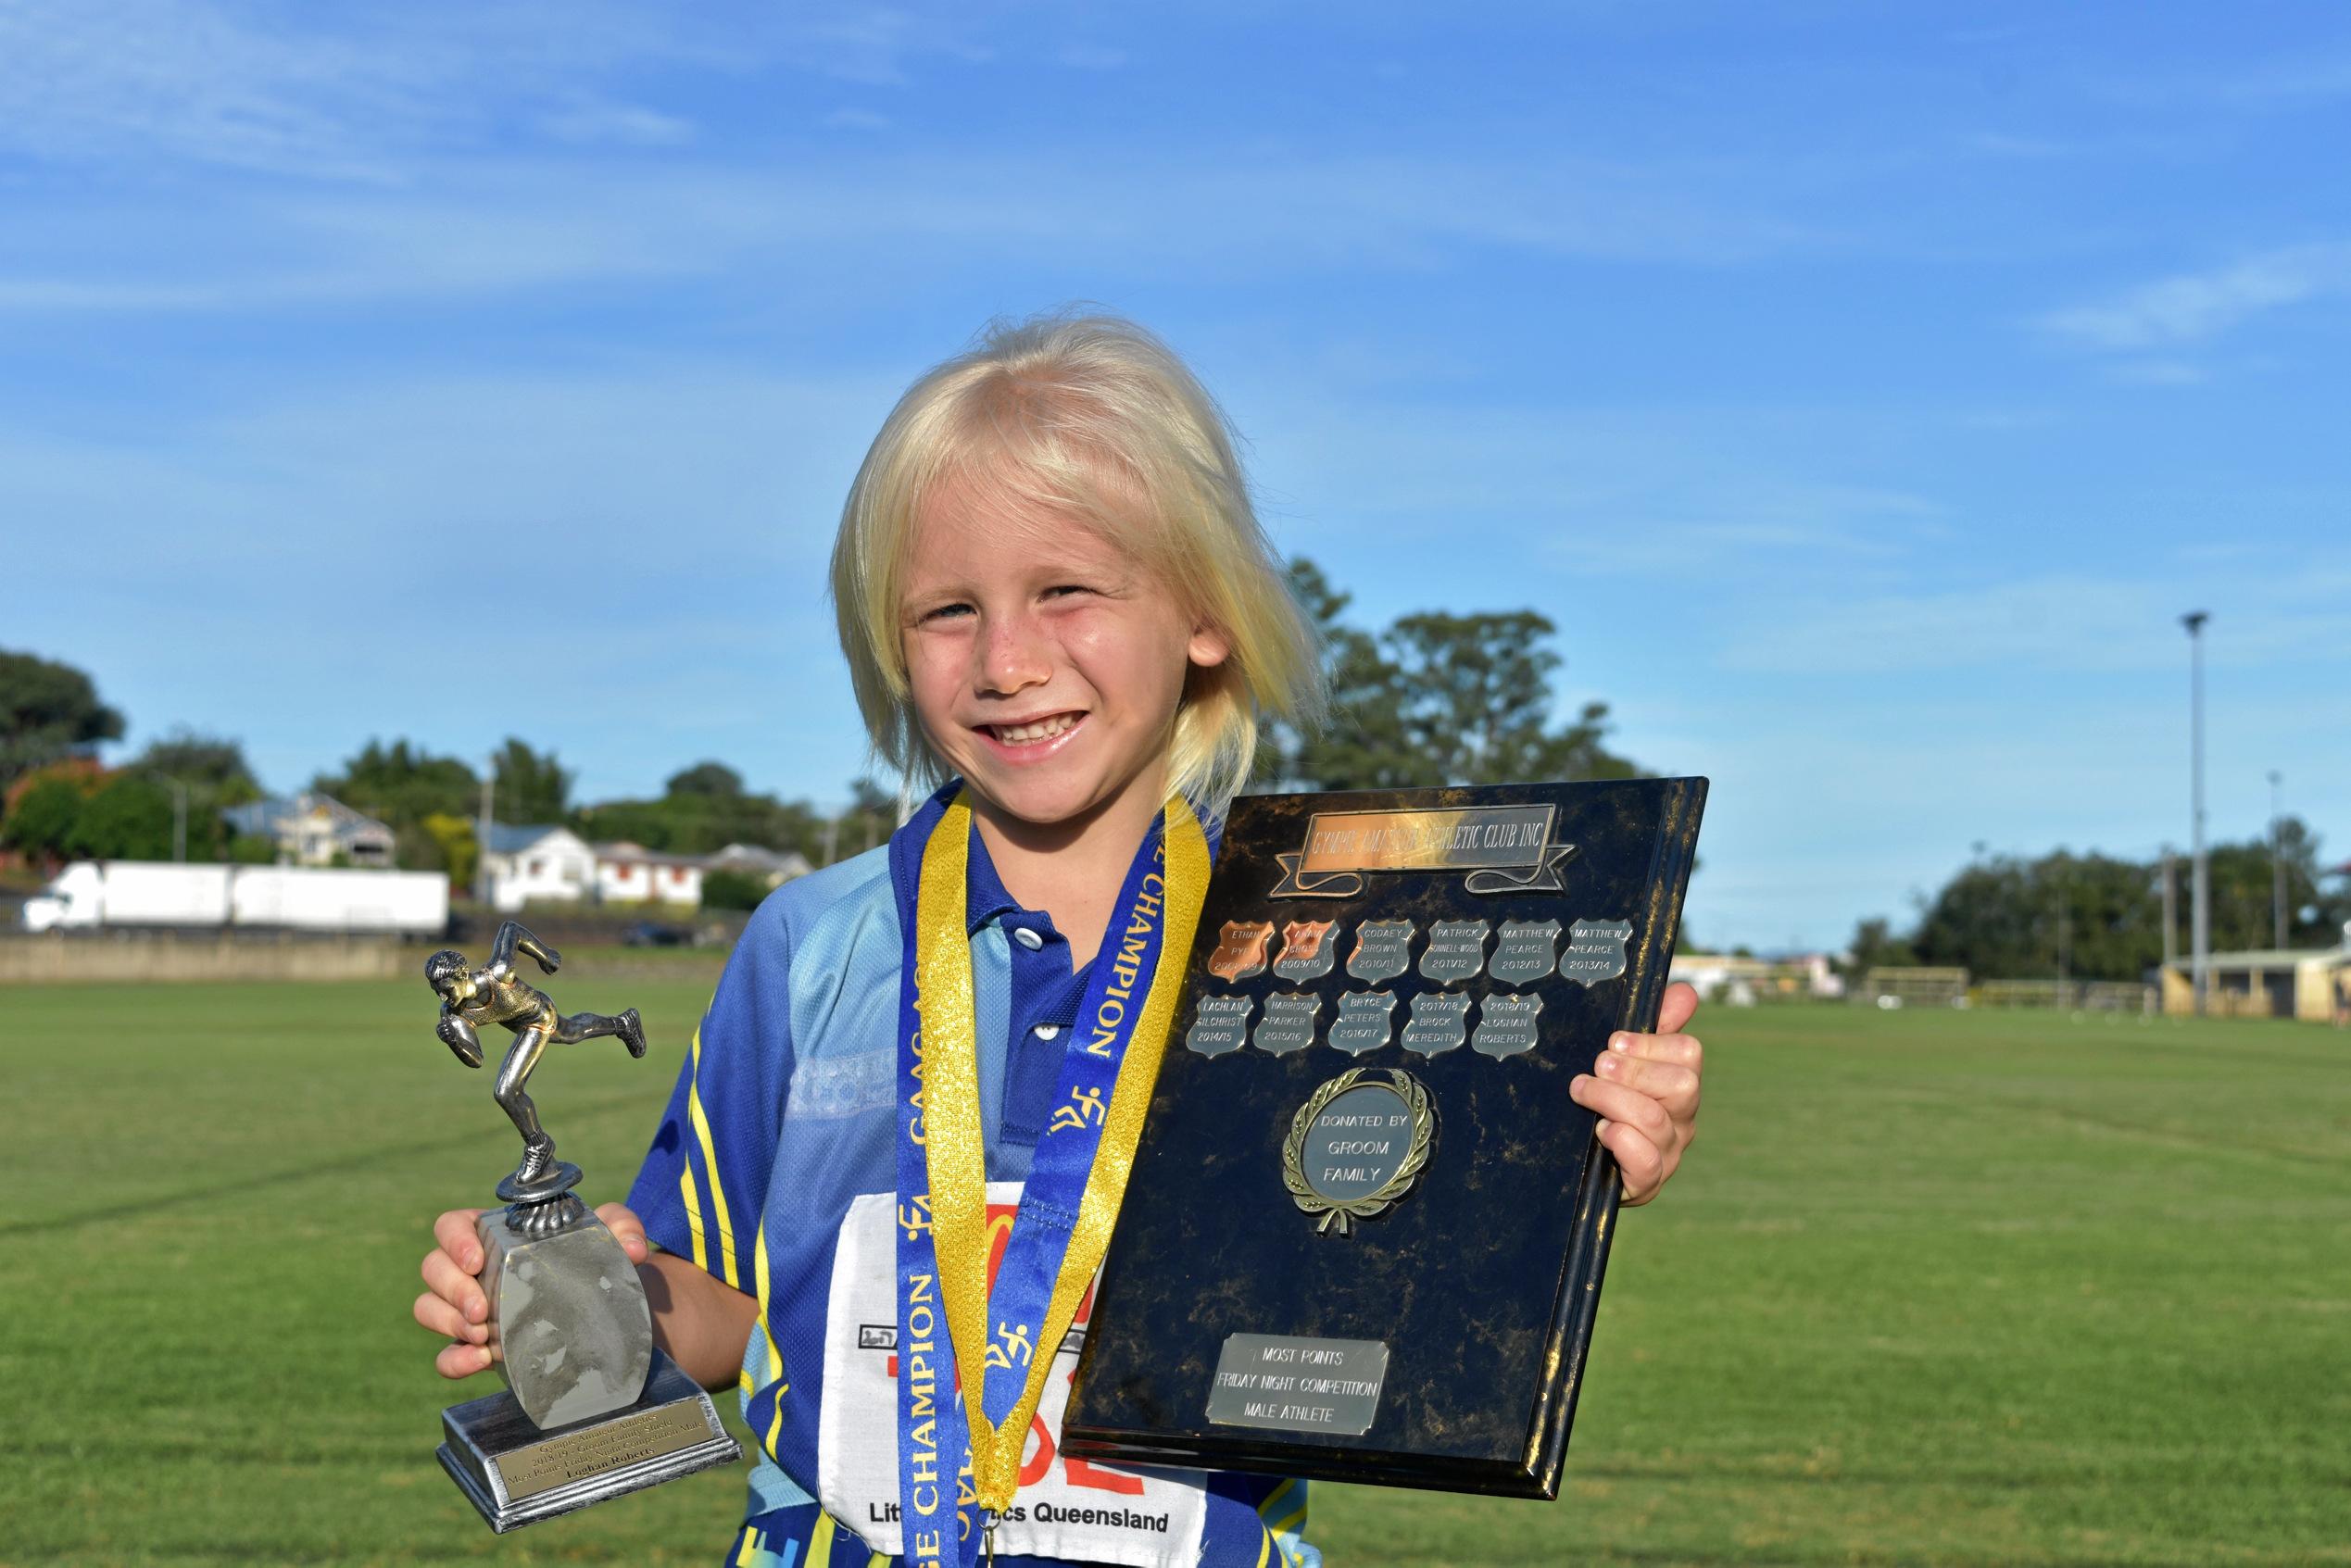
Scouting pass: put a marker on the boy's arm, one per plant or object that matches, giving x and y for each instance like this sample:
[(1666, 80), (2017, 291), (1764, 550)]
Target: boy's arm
[(702, 1322)]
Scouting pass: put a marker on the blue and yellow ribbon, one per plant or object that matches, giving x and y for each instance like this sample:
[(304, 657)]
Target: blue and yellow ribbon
[(1077, 1181)]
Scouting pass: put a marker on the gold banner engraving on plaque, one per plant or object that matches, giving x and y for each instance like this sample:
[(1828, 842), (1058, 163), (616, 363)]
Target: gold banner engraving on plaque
[(1503, 848), (576, 1456)]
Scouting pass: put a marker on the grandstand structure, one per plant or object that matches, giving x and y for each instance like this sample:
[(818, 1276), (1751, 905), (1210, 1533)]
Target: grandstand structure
[(1910, 985)]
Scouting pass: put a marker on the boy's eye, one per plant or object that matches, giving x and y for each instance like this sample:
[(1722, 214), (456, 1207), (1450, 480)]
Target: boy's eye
[(939, 612), (1059, 589)]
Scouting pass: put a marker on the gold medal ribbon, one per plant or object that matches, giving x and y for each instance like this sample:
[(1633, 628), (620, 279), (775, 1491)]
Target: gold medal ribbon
[(953, 1152)]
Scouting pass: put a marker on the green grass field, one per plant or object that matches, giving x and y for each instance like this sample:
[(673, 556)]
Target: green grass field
[(1934, 1288)]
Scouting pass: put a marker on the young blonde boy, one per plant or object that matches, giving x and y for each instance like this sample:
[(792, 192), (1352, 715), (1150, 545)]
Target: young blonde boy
[(1053, 595)]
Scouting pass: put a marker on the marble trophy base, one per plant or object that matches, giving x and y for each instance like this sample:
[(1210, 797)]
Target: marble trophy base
[(568, 1320), (516, 1472)]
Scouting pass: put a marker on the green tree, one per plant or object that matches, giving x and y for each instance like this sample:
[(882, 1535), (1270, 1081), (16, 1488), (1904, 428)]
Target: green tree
[(531, 788), (1875, 945), (706, 781), (2089, 917), (704, 807), (41, 825), (2099, 917), (48, 710), (129, 818), (732, 890), (2243, 891), (1362, 735), (1477, 702), (1437, 698), (401, 785), (213, 772), (211, 761), (453, 842), (870, 819)]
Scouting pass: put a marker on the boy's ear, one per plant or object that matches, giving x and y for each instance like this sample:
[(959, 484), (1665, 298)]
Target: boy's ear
[(1209, 647)]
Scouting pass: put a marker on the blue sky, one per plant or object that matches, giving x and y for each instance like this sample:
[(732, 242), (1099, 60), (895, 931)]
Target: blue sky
[(1863, 390)]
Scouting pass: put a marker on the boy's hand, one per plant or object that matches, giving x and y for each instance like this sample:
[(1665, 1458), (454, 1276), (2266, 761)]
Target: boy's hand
[(455, 1305), (1646, 1093)]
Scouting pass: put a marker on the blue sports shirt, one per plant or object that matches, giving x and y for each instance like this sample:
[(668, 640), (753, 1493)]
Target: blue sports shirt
[(774, 1170)]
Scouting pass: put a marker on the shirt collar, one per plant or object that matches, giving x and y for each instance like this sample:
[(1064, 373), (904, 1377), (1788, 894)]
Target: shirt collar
[(984, 896)]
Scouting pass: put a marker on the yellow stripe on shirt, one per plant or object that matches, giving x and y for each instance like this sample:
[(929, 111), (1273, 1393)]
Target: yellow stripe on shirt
[(775, 1356), (725, 1221), (693, 1213)]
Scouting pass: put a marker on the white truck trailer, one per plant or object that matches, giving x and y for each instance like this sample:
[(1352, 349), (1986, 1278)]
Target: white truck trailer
[(145, 893)]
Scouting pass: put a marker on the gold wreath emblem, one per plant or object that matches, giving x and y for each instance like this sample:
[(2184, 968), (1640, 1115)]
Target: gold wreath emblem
[(1301, 1191)]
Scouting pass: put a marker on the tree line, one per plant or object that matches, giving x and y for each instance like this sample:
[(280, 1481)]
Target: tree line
[(1431, 698), (2100, 917)]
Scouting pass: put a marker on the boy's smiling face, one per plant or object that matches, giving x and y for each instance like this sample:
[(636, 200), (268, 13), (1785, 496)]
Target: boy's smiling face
[(1046, 663)]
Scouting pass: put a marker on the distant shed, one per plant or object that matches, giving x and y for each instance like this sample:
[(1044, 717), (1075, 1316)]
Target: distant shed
[(2266, 983)]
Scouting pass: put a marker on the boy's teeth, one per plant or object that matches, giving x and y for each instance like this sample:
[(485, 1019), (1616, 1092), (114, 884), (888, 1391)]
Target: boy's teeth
[(1043, 729)]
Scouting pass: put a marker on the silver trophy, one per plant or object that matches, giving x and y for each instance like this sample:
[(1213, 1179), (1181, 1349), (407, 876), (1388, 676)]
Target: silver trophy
[(592, 1409)]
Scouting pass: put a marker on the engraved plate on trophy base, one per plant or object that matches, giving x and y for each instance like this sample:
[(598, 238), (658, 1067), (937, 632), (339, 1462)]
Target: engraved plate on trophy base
[(516, 1472)]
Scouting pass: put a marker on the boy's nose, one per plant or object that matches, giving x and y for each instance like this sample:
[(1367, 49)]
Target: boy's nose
[(1013, 656)]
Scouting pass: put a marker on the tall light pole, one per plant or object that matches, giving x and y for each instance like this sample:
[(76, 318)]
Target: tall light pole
[(2277, 855), (179, 816), (2200, 920), (2171, 909)]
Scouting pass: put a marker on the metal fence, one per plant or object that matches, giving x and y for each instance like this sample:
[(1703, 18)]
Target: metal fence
[(2071, 996)]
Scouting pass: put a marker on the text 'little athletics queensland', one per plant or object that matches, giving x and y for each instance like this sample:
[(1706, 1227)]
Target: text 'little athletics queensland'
[(1367, 1224), (592, 1409)]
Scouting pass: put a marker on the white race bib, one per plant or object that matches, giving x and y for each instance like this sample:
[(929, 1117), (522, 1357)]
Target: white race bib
[(1065, 1507)]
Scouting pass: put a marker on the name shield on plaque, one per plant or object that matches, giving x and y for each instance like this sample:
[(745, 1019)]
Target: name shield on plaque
[(1366, 1228)]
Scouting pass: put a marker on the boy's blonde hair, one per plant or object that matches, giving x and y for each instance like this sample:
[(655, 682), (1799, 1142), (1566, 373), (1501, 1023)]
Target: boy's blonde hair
[(1095, 419)]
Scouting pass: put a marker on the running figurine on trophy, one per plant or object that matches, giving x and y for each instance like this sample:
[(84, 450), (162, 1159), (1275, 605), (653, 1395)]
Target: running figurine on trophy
[(591, 1408)]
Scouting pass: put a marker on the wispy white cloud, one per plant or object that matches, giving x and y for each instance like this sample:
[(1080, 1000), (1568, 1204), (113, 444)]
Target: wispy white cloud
[(341, 94), (475, 229), (98, 79), (2057, 624), (592, 122), (2193, 307)]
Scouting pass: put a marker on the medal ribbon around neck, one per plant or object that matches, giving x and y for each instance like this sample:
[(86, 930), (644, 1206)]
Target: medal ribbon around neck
[(1075, 1182)]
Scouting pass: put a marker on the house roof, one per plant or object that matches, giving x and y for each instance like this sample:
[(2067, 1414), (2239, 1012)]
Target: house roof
[(625, 853), (512, 839), (269, 816), (760, 860), (2266, 958)]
